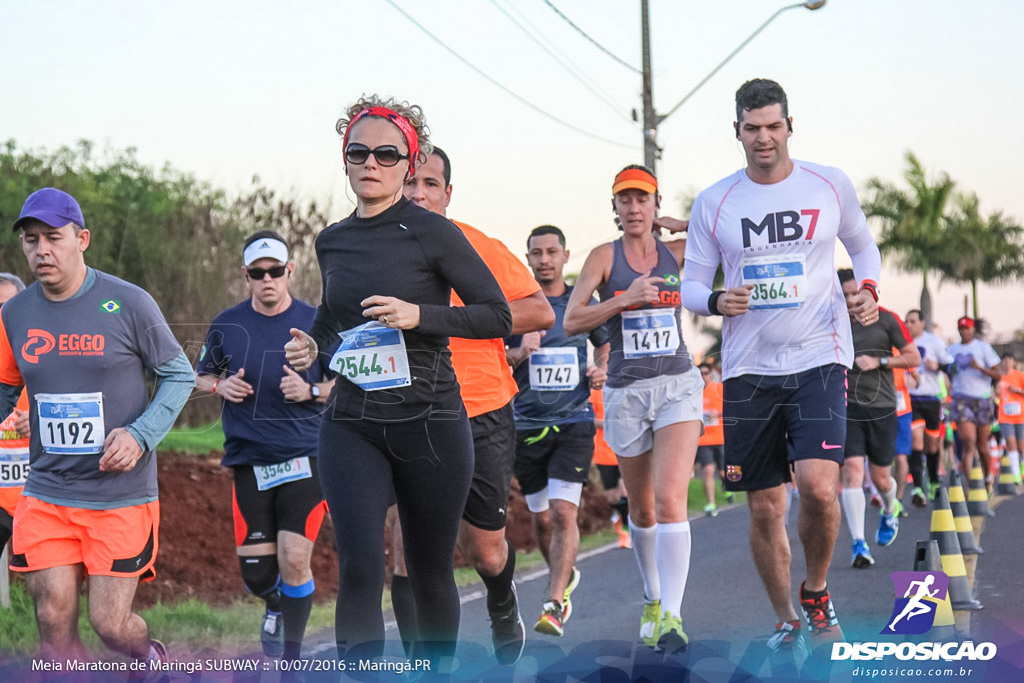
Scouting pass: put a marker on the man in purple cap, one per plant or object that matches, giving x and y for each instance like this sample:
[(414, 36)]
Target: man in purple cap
[(82, 343)]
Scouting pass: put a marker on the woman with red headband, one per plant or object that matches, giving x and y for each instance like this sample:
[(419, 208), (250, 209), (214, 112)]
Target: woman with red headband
[(396, 420), (653, 397)]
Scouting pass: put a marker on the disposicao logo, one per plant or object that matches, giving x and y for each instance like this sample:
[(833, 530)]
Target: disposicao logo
[(917, 598)]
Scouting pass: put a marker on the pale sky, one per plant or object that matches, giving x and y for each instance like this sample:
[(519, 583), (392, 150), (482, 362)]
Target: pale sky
[(226, 90)]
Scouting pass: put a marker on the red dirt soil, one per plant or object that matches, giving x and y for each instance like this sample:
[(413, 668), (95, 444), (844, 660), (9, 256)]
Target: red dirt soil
[(197, 547)]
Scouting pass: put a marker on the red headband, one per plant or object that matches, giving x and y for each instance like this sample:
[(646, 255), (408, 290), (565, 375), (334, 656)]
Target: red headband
[(403, 125)]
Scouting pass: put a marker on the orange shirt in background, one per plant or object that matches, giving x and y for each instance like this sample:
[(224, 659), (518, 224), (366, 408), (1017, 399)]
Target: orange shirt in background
[(480, 366), (1011, 405), (714, 434), (603, 454), (899, 376), (12, 447)]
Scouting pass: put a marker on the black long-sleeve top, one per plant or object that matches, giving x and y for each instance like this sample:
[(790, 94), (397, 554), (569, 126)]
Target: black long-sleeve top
[(417, 256)]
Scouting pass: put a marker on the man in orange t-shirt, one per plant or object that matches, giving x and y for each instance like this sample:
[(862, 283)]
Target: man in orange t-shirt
[(711, 447), (608, 467), (1011, 412), (904, 380), (487, 388)]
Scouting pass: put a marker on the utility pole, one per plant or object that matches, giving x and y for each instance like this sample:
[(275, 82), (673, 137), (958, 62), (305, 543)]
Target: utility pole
[(651, 119)]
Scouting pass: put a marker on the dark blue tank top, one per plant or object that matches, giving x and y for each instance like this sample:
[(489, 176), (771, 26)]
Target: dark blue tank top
[(624, 371)]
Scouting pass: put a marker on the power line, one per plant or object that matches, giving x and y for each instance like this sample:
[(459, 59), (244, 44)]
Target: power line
[(494, 82), (564, 62), (596, 44)]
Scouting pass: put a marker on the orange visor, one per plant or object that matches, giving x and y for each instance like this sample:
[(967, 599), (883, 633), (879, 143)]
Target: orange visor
[(635, 179)]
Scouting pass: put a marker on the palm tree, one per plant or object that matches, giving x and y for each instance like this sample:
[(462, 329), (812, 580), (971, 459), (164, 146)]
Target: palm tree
[(912, 223), (981, 249)]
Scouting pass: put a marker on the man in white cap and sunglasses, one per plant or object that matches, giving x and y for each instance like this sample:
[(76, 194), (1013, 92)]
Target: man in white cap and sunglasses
[(271, 416)]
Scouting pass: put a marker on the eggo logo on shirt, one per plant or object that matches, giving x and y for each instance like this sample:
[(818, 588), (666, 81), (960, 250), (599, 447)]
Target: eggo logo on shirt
[(41, 342), (781, 226)]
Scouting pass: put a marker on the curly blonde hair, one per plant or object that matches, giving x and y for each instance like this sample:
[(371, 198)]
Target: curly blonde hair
[(410, 112)]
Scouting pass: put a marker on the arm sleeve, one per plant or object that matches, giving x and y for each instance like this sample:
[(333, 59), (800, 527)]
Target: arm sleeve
[(702, 259), (486, 314), (174, 383), (11, 381), (855, 234)]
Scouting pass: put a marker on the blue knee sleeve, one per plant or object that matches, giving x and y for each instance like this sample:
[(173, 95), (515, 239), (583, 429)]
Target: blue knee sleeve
[(298, 591)]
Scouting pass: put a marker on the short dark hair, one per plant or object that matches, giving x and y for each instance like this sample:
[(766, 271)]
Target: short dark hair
[(845, 275), (546, 230), (915, 310), (1008, 355), (264, 234), (758, 93), (447, 164)]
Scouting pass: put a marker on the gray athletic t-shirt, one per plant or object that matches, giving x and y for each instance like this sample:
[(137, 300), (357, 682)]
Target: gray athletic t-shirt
[(101, 341)]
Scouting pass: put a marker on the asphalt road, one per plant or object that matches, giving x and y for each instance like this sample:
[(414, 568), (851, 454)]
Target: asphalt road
[(727, 615)]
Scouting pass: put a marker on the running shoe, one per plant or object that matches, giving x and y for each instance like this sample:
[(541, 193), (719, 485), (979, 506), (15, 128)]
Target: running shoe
[(550, 621), (624, 540), (861, 555), (902, 510), (821, 618), (272, 634), (935, 490), (730, 497), (159, 649), (650, 623), (918, 498), (574, 580), (889, 526), (710, 510), (508, 633), (789, 637), (671, 636)]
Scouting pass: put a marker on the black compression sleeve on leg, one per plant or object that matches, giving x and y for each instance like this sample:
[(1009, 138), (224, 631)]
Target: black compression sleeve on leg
[(261, 578), (499, 588)]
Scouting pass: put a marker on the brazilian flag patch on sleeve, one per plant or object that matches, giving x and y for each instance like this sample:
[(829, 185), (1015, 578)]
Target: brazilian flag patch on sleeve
[(111, 306)]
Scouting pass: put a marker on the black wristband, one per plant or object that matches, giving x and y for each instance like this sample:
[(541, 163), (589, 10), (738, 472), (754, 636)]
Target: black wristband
[(713, 301)]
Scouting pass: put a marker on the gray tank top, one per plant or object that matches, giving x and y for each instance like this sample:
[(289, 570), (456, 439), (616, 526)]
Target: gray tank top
[(646, 349)]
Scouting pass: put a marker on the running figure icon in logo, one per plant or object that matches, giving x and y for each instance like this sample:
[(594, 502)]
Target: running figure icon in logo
[(922, 592)]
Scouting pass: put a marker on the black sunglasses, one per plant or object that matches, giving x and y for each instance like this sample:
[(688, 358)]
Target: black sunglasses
[(386, 155), (258, 273)]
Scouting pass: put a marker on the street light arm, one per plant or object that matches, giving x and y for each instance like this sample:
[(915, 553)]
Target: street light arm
[(808, 5)]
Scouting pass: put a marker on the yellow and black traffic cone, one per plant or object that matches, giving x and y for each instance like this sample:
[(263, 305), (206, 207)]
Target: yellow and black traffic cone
[(961, 517), (944, 532), (928, 559), (977, 494), (1005, 485)]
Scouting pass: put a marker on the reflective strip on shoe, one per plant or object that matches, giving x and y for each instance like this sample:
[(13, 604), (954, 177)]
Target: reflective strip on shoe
[(574, 580)]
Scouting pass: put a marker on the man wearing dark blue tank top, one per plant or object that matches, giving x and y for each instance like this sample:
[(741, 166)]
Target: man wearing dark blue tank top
[(555, 424)]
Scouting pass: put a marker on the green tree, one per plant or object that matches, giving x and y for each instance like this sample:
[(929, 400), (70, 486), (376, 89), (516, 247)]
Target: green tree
[(913, 223), (980, 249)]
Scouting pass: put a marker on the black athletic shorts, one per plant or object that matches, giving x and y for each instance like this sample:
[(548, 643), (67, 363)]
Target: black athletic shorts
[(564, 452), (872, 432), (927, 411), (610, 476), (6, 529), (494, 453), (711, 455), (295, 506), (771, 421)]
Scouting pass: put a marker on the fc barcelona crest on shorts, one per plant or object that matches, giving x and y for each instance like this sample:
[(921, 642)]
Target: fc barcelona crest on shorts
[(733, 472)]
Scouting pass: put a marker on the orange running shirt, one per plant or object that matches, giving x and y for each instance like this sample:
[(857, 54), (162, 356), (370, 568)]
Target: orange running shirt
[(1011, 405), (13, 460), (899, 376), (714, 433), (603, 454), (484, 375)]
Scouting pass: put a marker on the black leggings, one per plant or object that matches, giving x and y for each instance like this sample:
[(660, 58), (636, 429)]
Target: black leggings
[(430, 464)]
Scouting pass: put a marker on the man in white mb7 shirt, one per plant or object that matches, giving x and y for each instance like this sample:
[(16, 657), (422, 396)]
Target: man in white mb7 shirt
[(786, 344)]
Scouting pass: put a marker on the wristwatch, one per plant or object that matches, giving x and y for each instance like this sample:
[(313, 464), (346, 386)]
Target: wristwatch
[(884, 361), (315, 391)]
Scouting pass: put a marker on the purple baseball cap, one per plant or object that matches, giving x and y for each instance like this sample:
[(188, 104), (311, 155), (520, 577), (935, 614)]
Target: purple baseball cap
[(54, 207)]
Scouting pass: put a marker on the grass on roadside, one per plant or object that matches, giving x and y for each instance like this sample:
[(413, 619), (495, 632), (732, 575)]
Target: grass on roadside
[(197, 440)]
